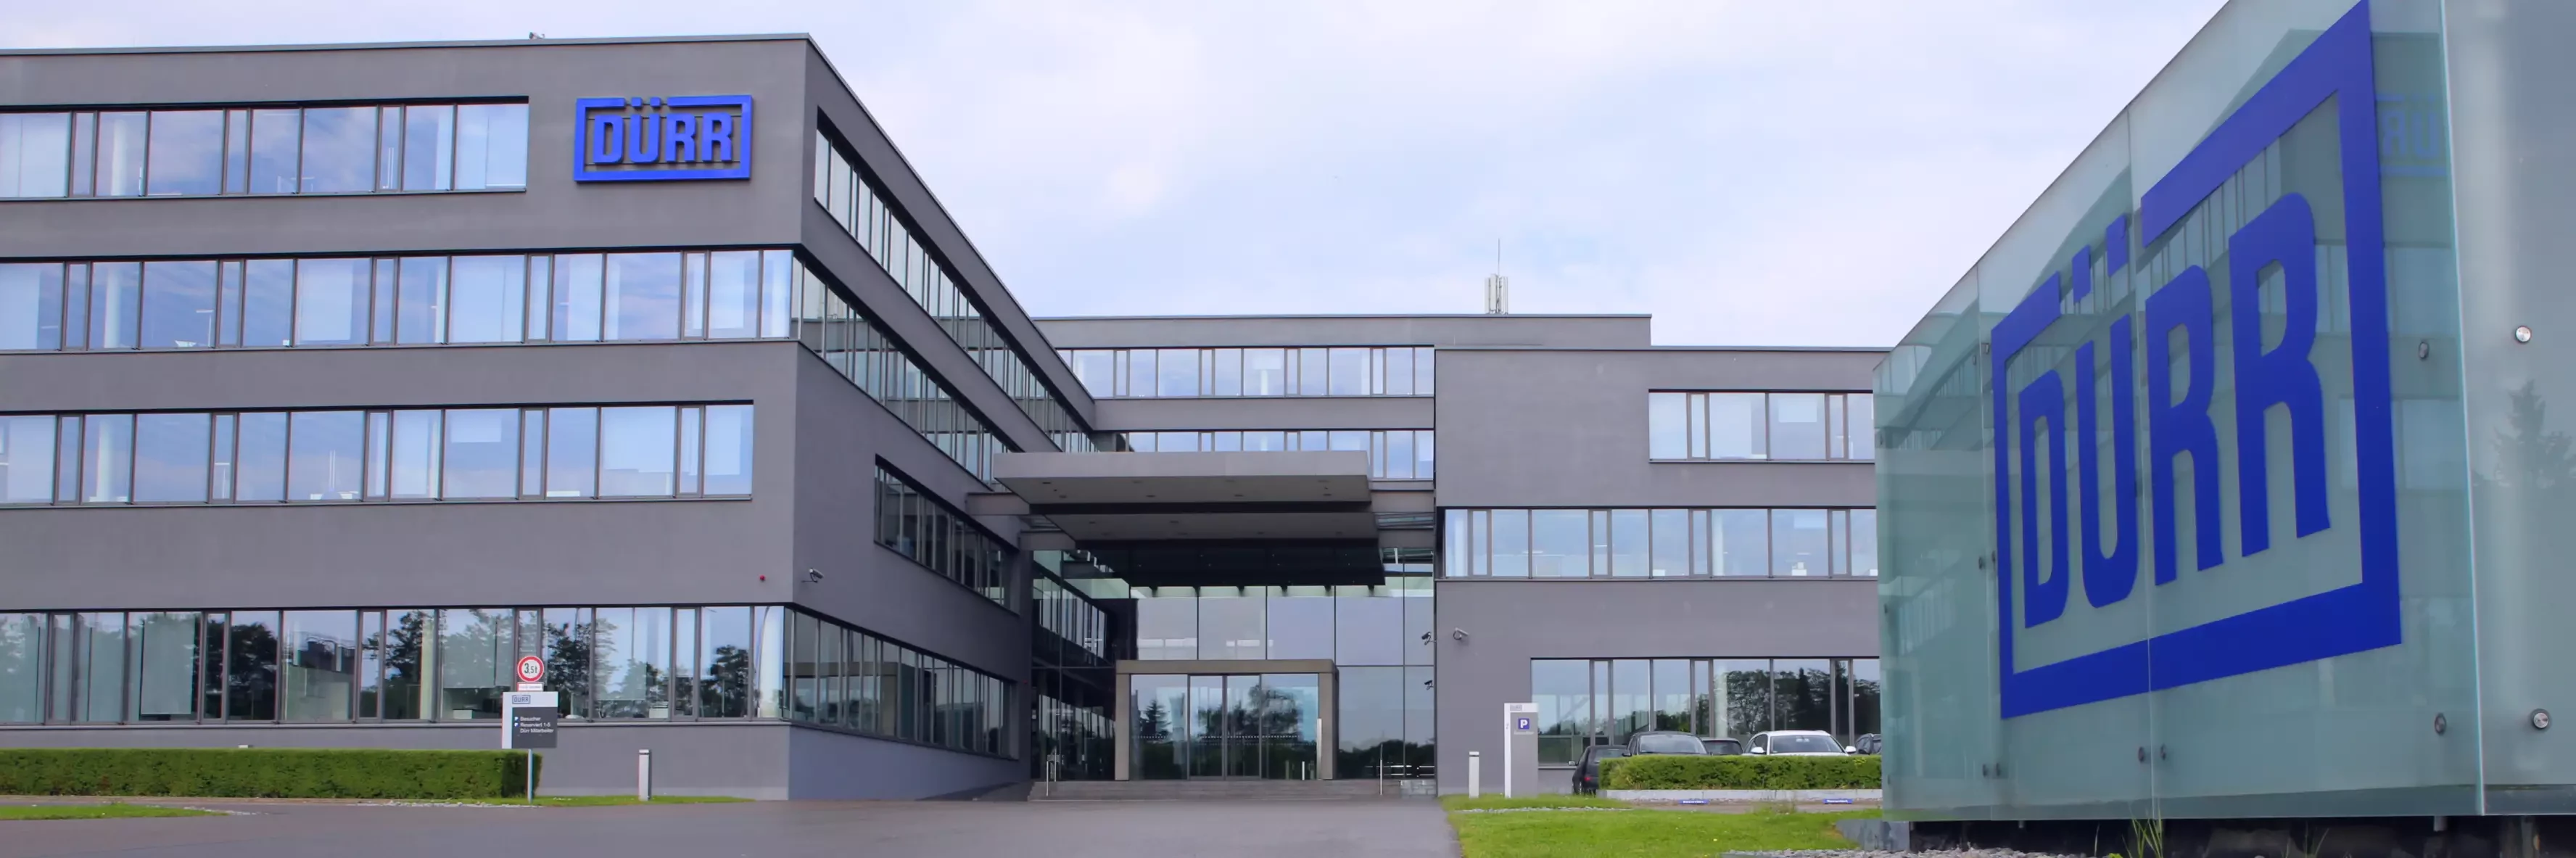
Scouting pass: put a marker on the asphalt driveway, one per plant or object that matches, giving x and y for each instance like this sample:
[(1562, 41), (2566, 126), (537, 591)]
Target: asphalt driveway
[(1348, 828)]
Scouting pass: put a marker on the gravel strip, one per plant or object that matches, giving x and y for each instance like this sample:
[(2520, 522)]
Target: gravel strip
[(1537, 809)]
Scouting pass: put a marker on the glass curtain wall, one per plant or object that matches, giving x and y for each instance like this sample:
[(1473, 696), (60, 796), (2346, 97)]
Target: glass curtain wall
[(1602, 701), (917, 525), (1659, 543)]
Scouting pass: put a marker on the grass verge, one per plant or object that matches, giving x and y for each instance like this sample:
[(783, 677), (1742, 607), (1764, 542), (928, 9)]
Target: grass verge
[(116, 810), (1460, 802), (1643, 834)]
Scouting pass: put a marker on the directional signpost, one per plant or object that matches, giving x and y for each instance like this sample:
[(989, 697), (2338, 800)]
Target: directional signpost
[(528, 722)]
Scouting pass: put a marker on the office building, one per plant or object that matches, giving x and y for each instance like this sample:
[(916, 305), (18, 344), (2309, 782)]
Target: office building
[(340, 379)]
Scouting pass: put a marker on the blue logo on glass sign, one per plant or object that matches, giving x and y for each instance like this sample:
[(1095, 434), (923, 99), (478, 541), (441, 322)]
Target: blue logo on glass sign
[(663, 139), (2032, 590)]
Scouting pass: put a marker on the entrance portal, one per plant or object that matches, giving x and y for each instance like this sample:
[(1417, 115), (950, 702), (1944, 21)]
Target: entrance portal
[(1263, 725)]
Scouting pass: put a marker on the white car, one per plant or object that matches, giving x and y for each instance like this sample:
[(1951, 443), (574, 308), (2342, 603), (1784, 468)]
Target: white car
[(1796, 743)]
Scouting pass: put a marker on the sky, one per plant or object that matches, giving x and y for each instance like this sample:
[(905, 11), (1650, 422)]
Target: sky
[(1751, 173)]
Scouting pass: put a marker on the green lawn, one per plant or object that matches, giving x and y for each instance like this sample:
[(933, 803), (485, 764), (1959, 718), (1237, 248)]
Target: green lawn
[(1643, 833), (118, 810), (1460, 802)]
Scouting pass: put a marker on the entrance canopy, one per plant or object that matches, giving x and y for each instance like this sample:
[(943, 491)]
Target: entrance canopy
[(1132, 497)]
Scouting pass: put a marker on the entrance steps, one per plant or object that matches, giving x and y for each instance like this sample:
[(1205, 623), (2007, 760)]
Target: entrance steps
[(1223, 790)]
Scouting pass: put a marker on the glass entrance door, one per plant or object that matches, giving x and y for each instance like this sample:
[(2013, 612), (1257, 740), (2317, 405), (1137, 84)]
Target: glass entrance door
[(1225, 725)]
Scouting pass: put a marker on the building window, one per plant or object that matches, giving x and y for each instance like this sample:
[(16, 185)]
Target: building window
[(215, 151), (1394, 454), (1659, 543), (1351, 624), (1603, 701), (1759, 426), (409, 300), (1188, 372), (431, 454), (865, 353), (375, 665), (918, 525), (844, 187)]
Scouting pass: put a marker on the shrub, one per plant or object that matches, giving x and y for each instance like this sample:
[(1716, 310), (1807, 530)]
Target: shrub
[(1742, 771), (264, 772)]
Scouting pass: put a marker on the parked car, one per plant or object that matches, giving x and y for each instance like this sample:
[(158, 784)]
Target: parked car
[(1664, 742), (1797, 743), (1868, 743), (1587, 772), (1721, 746)]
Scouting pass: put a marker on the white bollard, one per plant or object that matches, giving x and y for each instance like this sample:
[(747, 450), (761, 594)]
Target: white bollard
[(643, 774), (1475, 774)]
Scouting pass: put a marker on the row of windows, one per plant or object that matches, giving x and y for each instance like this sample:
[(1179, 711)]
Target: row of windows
[(1780, 426), (917, 525), (1603, 701), (411, 300), (1063, 612), (847, 678), (281, 150), (453, 664), (643, 451), (1341, 371), (868, 356), (1394, 454), (844, 188), (1351, 624), (1659, 543)]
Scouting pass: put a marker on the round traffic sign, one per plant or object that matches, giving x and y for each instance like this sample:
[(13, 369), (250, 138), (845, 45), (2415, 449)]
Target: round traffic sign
[(532, 669)]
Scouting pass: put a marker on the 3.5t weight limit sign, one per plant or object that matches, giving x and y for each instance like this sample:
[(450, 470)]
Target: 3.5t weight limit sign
[(531, 669)]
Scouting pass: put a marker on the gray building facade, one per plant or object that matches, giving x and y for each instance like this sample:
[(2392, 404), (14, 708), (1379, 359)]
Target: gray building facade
[(337, 380)]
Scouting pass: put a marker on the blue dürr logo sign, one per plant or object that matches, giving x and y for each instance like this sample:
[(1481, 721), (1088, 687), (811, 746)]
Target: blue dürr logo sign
[(663, 139), (2275, 385)]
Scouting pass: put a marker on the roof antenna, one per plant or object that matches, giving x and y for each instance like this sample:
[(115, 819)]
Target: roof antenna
[(1498, 289)]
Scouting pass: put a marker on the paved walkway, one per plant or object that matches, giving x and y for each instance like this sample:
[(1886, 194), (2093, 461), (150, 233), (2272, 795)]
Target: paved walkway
[(1361, 828)]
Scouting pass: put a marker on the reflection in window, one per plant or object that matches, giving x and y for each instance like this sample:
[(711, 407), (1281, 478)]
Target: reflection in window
[(851, 193), (1781, 426), (1574, 543), (415, 454), (1394, 454), (1602, 701), (416, 300), (919, 526), (205, 152), (1197, 372)]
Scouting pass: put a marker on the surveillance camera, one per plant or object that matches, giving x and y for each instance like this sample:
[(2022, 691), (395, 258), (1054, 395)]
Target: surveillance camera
[(1459, 635), (1426, 637)]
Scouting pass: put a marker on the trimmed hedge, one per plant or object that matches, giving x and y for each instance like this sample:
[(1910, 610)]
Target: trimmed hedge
[(264, 772), (1739, 771)]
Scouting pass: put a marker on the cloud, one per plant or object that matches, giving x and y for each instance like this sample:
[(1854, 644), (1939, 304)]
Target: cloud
[(1749, 172)]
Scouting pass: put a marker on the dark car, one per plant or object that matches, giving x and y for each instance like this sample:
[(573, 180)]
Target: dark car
[(1721, 746), (1664, 742), (1868, 743), (1587, 772)]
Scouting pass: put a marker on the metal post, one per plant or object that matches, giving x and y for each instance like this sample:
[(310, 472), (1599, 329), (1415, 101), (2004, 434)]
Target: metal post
[(1475, 774), (644, 774), (532, 776)]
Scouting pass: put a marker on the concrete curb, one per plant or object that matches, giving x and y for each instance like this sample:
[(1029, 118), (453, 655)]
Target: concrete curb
[(1740, 795)]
